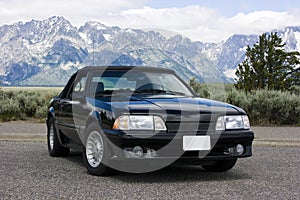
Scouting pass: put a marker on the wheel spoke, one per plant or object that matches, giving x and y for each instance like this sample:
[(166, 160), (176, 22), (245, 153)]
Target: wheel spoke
[(94, 149), (51, 136)]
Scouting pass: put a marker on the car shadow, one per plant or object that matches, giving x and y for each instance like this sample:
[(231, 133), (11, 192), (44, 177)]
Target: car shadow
[(75, 157), (181, 173), (177, 172)]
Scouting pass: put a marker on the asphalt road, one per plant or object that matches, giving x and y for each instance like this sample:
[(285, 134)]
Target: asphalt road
[(28, 172)]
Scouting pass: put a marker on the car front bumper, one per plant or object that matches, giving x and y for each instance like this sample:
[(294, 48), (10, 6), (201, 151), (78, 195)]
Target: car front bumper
[(224, 145)]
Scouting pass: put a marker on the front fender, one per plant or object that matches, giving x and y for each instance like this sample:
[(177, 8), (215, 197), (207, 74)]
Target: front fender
[(50, 114), (94, 117)]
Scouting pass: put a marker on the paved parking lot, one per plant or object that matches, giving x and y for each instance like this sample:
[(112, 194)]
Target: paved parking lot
[(28, 172)]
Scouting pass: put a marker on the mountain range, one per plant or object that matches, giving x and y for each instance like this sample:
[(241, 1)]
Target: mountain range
[(47, 52)]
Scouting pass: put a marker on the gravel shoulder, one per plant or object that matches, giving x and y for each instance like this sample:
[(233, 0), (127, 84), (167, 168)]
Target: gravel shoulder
[(277, 136)]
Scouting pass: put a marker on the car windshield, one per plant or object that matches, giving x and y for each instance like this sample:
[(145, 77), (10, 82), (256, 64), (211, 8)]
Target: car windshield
[(104, 83)]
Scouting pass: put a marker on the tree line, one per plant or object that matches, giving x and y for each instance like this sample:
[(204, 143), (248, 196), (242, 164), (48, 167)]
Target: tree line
[(267, 84), (268, 66)]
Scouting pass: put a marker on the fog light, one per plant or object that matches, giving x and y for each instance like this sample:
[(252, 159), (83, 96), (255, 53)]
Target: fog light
[(138, 151), (239, 149)]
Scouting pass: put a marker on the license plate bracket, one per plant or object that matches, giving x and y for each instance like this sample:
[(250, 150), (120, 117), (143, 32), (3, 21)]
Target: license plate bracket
[(196, 143)]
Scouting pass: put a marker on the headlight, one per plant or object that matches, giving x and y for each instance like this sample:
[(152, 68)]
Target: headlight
[(233, 122), (139, 122)]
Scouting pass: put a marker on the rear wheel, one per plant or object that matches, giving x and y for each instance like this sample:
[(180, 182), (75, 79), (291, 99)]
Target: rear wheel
[(221, 165), (96, 152), (55, 149)]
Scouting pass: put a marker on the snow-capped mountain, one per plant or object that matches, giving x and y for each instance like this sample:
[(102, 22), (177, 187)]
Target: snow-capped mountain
[(226, 55), (47, 52)]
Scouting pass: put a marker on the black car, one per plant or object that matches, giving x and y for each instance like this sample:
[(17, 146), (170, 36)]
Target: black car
[(140, 119)]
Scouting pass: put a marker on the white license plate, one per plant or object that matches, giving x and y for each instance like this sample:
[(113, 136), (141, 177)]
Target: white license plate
[(196, 143)]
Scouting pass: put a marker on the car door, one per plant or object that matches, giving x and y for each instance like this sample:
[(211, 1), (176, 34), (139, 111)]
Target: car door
[(60, 110), (71, 108)]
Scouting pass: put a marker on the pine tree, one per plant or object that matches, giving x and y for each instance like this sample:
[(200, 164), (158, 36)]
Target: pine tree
[(268, 66)]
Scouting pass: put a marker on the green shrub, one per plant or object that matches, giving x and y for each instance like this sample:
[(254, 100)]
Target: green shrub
[(275, 107), (24, 104), (295, 89), (201, 89), (264, 107), (10, 110)]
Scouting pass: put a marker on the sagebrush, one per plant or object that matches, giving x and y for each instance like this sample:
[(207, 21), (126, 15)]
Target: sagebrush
[(22, 104), (264, 107)]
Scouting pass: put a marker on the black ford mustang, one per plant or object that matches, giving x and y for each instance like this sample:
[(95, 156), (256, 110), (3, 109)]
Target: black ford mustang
[(140, 119)]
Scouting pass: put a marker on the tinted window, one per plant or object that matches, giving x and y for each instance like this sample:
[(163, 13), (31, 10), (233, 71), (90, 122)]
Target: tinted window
[(79, 85), (68, 87), (136, 82)]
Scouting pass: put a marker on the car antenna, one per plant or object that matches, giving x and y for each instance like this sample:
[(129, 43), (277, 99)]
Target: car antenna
[(94, 49)]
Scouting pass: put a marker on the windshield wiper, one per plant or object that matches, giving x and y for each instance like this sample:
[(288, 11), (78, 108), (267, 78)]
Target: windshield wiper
[(175, 93), (106, 93), (158, 91)]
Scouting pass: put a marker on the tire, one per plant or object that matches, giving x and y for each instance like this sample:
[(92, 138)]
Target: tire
[(55, 149), (221, 165), (95, 154)]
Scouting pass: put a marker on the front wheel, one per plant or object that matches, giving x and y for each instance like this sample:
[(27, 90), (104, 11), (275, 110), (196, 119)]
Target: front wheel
[(221, 165), (55, 149), (96, 152)]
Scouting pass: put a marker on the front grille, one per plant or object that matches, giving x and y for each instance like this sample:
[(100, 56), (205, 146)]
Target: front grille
[(190, 126), (192, 123)]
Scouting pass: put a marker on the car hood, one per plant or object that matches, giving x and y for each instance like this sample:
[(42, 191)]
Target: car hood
[(167, 106)]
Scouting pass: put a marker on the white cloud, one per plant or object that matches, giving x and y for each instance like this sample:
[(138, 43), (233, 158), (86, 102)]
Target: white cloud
[(196, 22), (204, 24), (257, 22), (76, 11)]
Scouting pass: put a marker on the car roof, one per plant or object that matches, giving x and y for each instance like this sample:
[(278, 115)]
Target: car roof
[(128, 68)]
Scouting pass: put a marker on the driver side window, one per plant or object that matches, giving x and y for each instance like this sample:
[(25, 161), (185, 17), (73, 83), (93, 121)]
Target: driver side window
[(78, 86)]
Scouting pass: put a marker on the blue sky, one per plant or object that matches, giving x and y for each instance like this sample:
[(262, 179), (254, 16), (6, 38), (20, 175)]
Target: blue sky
[(230, 7), (201, 20)]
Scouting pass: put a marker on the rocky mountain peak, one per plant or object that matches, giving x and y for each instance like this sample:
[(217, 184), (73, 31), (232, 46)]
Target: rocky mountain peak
[(46, 52)]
